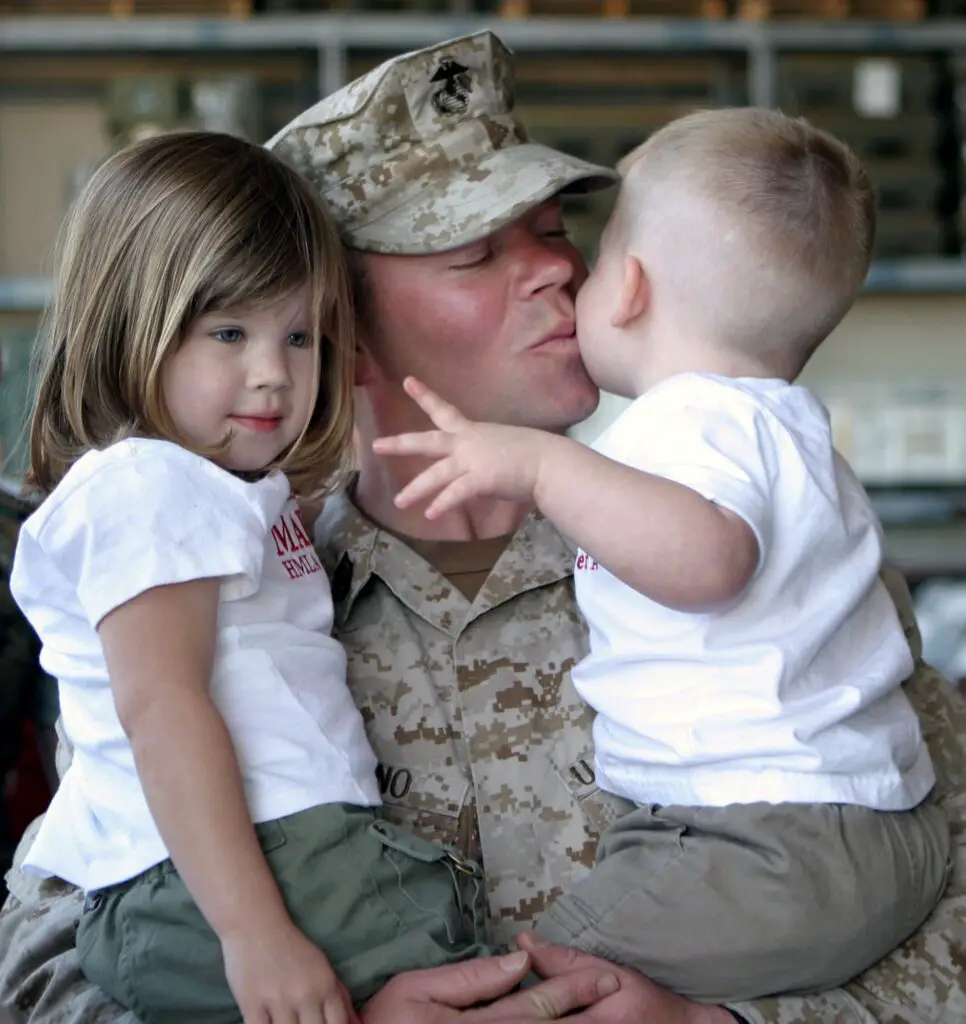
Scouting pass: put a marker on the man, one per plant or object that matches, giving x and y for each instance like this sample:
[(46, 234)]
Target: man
[(461, 633)]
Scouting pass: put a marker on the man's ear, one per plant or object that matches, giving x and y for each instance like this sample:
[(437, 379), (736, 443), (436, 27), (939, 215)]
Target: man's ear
[(366, 369), (635, 294)]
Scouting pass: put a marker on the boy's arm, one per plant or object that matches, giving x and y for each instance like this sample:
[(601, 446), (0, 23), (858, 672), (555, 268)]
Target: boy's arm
[(663, 539), (659, 537)]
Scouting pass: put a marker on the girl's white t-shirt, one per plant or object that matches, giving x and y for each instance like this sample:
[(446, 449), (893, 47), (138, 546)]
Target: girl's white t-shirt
[(142, 514)]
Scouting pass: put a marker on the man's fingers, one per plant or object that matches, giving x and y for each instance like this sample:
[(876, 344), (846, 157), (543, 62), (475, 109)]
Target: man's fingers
[(312, 1013), (444, 415), (461, 984), (282, 1015), (428, 483), (549, 1000), (255, 1014), (335, 1010), (551, 961), (425, 442)]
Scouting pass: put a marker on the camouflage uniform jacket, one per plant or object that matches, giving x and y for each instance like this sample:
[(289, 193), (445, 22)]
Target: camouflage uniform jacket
[(483, 743)]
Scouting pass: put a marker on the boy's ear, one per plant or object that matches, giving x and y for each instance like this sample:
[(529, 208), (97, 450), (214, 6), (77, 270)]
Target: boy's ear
[(635, 294)]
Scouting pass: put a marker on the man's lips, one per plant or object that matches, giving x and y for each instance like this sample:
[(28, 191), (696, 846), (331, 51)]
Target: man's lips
[(260, 424), (564, 336)]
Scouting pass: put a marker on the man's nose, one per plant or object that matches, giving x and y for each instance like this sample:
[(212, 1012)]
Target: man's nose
[(547, 265)]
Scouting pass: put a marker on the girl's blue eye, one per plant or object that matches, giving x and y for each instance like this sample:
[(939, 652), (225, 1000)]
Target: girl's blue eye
[(229, 335), (299, 340)]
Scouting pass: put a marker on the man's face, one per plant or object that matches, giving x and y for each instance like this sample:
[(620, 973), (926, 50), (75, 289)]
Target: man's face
[(489, 326)]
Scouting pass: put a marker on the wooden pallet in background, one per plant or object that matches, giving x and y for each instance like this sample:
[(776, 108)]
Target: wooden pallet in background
[(831, 10), (130, 8), (713, 9), (889, 10), (318, 6), (574, 81)]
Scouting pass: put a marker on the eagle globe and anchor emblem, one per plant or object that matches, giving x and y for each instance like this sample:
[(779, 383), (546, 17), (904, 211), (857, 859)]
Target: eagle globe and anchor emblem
[(453, 94)]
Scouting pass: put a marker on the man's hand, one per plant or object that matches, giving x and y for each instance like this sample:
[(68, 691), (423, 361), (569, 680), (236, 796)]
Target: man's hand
[(637, 1001), (281, 976), (473, 459), (450, 994)]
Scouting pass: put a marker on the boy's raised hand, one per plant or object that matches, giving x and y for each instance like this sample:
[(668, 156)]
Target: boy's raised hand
[(473, 459)]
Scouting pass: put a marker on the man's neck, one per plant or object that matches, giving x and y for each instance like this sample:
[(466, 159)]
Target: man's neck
[(381, 479)]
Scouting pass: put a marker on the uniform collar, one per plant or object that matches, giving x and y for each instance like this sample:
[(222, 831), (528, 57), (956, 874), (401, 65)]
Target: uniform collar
[(355, 549)]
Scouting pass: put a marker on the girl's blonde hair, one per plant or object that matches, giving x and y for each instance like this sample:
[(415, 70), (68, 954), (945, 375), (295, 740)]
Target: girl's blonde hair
[(165, 231)]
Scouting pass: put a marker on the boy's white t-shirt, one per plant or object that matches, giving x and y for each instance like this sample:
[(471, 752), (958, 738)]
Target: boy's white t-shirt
[(790, 694), (142, 514)]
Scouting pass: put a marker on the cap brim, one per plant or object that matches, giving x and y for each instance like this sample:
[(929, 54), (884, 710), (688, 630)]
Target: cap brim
[(470, 204)]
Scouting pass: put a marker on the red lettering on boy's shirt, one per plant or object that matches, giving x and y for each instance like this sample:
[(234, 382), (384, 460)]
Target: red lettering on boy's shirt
[(585, 562)]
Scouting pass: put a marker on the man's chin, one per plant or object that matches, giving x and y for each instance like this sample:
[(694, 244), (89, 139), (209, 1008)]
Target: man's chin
[(559, 417)]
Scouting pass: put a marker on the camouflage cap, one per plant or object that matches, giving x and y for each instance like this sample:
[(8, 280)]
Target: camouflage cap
[(423, 154)]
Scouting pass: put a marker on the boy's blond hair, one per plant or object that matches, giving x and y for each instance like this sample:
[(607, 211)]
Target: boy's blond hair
[(165, 231), (762, 223)]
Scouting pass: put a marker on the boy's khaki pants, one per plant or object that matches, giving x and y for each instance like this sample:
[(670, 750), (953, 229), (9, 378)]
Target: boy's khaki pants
[(732, 903)]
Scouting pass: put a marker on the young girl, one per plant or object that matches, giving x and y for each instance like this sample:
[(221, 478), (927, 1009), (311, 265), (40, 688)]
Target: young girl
[(198, 369)]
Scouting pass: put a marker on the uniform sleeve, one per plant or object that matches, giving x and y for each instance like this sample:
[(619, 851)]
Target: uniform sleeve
[(720, 450), (147, 520)]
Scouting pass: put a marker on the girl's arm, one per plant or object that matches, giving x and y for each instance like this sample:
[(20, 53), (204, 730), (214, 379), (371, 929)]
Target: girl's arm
[(160, 650)]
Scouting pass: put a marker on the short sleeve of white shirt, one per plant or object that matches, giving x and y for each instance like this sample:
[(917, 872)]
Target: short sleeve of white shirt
[(708, 435), (144, 514)]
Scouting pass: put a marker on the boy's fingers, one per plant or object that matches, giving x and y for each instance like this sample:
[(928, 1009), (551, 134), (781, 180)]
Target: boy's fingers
[(425, 442), (428, 483), (444, 415), (461, 490)]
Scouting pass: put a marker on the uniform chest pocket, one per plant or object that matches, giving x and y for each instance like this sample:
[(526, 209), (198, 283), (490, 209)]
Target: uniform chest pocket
[(428, 803)]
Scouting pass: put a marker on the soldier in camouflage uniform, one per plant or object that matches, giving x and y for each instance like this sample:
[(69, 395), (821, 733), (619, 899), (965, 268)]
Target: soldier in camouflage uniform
[(461, 634)]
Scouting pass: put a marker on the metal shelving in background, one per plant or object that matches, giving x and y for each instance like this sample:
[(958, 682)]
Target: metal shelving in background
[(336, 40), (333, 36)]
